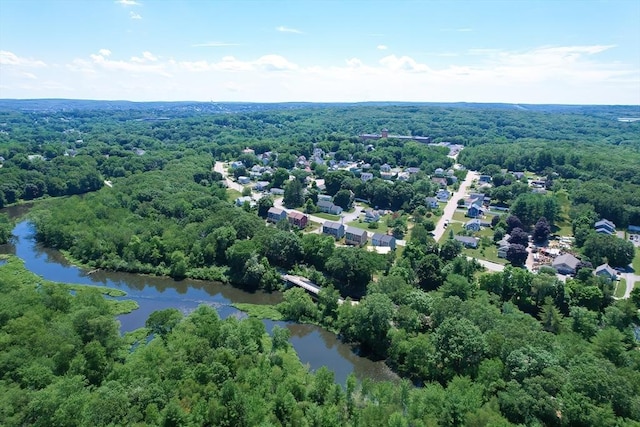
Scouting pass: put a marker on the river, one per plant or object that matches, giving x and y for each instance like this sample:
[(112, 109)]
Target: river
[(315, 346)]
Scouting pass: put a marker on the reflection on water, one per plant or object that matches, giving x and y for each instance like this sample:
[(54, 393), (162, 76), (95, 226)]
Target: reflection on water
[(315, 346)]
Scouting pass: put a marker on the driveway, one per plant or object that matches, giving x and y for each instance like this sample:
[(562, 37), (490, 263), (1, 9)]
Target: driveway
[(491, 266), (631, 278), (221, 169), (452, 204)]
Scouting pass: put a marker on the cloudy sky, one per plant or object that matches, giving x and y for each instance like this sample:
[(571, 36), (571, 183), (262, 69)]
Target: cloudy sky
[(516, 51)]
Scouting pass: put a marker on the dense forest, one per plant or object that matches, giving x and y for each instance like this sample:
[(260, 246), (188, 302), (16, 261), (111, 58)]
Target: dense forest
[(483, 348)]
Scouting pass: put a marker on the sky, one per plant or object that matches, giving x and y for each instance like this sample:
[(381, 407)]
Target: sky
[(516, 51)]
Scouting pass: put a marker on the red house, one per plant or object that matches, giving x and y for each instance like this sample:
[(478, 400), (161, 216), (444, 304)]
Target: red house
[(298, 219)]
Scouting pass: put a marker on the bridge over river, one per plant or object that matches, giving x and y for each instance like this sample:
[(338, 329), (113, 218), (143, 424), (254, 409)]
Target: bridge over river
[(308, 285)]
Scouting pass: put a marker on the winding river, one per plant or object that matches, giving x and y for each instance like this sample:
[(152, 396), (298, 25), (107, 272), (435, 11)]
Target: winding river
[(315, 346)]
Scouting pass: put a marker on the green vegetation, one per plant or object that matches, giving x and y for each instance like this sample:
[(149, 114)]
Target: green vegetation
[(621, 288), (14, 272), (508, 348), (327, 216), (259, 311)]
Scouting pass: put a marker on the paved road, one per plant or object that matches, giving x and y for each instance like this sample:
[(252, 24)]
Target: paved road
[(220, 168), (491, 266), (452, 204)]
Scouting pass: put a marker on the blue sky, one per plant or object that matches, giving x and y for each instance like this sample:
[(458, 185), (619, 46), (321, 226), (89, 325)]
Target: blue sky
[(554, 51)]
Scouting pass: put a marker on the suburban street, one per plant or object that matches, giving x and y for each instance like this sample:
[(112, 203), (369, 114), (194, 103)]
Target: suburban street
[(219, 167), (452, 204)]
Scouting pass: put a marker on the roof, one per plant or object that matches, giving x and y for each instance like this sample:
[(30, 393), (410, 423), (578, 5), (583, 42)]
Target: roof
[(467, 239), (431, 200), (357, 231), (386, 238), (605, 223), (473, 221), (333, 225), (325, 203), (275, 211), (297, 215), (605, 268), (566, 259)]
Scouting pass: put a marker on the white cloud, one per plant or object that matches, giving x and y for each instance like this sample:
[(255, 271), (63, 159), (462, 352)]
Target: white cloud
[(10, 58), (127, 3), (134, 15), (284, 29), (546, 74), (214, 44), (382, 47)]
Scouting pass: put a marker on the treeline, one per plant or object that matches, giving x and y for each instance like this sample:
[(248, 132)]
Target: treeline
[(62, 362), (603, 178)]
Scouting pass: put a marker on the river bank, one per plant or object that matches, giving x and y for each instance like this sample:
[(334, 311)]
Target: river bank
[(315, 346)]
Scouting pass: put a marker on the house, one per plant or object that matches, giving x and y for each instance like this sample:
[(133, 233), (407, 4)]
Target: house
[(240, 201), (605, 270), (413, 171), (468, 242), (632, 228), (431, 202), (298, 219), (328, 207), (248, 151), (385, 168), (380, 239), (442, 182), (261, 185), (355, 236), (276, 214), (475, 211), (334, 229), (324, 197), (473, 225), (443, 195), (486, 179), (244, 180), (404, 176), (438, 172), (566, 264), (371, 216), (366, 176), (237, 164), (604, 226), (517, 175), (277, 191), (387, 175), (503, 249)]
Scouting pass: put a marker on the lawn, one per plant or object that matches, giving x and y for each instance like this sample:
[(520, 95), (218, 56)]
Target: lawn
[(461, 215), (563, 224), (489, 253), (232, 194), (382, 226), (327, 216), (636, 261), (621, 287)]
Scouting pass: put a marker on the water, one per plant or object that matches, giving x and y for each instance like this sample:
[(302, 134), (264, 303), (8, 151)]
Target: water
[(316, 346)]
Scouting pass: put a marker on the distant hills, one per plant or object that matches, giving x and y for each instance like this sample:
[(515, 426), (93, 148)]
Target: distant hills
[(57, 105)]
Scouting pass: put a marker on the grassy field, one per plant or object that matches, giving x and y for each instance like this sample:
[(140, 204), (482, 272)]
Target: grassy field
[(621, 287), (260, 311), (490, 253), (636, 261), (461, 216), (382, 225), (327, 216), (232, 194), (14, 272), (563, 224)]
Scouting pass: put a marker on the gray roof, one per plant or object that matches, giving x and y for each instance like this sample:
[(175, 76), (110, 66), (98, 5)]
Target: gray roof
[(467, 239), (605, 223), (356, 231), (567, 259), (386, 238), (333, 225), (325, 203), (605, 268), (275, 211)]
